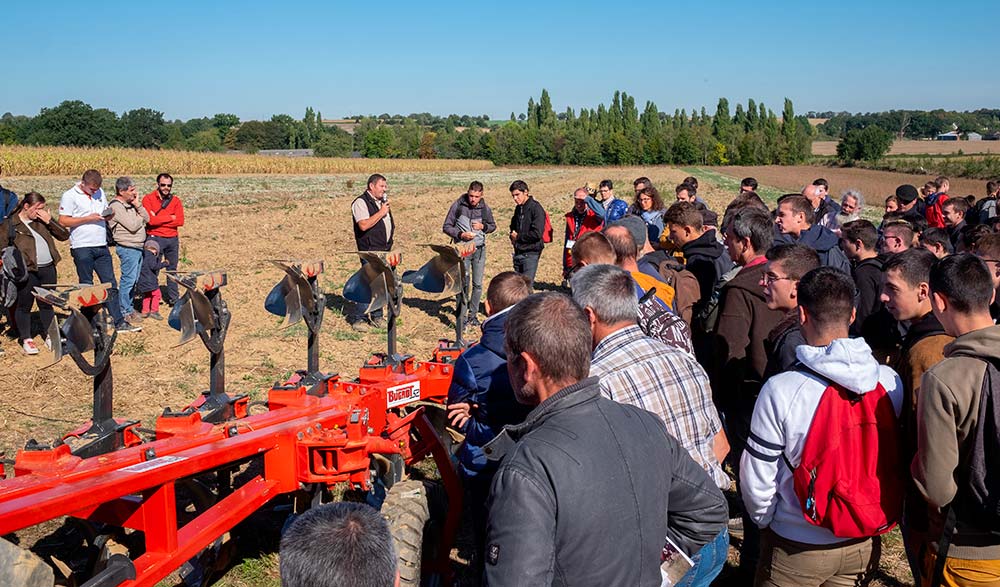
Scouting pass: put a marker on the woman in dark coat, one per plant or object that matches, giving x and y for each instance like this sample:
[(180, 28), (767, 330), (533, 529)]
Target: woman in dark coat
[(34, 231)]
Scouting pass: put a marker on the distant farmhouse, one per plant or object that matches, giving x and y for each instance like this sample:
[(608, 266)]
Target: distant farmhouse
[(951, 135)]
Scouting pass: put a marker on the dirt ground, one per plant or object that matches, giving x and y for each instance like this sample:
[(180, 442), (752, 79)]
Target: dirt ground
[(921, 147), (237, 224)]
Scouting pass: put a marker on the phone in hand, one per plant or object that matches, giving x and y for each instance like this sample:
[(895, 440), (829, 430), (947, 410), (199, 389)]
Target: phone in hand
[(108, 212)]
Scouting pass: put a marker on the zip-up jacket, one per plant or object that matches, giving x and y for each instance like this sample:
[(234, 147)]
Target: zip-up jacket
[(529, 223)]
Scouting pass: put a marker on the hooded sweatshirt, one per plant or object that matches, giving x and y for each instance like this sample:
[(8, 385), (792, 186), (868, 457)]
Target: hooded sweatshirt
[(781, 421), (947, 413), (707, 259), (824, 242)]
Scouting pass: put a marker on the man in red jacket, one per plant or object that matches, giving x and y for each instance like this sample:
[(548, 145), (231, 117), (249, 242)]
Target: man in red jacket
[(166, 215)]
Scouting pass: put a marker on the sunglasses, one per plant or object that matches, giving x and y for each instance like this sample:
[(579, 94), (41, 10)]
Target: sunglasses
[(166, 185)]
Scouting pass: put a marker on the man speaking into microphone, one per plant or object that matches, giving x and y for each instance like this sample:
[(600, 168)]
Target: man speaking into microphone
[(373, 231)]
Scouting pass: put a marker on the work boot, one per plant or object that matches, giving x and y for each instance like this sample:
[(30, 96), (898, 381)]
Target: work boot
[(360, 326)]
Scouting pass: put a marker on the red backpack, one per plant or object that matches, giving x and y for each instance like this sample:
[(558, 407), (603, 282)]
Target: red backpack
[(850, 480), (547, 231)]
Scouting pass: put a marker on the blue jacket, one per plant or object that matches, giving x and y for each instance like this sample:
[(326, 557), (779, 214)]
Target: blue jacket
[(8, 201), (149, 272), (480, 377), (824, 242), (617, 209)]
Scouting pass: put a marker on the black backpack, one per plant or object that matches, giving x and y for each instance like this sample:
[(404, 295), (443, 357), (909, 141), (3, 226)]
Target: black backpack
[(977, 501)]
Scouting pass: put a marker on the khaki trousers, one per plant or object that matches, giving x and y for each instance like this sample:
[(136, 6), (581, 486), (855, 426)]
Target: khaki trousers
[(786, 563)]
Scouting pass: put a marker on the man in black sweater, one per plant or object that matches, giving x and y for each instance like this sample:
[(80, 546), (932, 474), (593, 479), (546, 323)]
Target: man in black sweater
[(526, 229)]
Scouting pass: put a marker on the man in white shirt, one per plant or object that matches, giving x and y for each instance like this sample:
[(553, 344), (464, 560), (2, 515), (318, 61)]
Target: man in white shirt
[(81, 210)]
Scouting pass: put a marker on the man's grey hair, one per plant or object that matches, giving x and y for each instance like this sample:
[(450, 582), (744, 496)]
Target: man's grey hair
[(343, 543), (607, 290), (122, 184), (856, 194)]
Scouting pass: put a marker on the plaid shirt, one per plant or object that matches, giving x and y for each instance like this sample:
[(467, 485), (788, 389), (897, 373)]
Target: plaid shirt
[(646, 373)]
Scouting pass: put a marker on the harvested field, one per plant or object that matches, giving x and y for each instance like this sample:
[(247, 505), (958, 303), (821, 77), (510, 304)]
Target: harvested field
[(921, 147), (875, 185), (237, 224)]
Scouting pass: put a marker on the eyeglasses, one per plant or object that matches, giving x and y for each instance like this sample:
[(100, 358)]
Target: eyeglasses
[(166, 185), (770, 278)]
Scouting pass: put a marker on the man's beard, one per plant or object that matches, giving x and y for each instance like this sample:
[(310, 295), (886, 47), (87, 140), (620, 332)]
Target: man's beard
[(843, 219)]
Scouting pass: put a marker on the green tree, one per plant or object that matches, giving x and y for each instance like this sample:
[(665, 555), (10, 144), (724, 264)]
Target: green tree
[(73, 123), (336, 143), (685, 151), (223, 122), (870, 144), (143, 128), (206, 140), (378, 143)]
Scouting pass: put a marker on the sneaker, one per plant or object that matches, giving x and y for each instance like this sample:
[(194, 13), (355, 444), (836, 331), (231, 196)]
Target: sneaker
[(153, 315), (134, 318), (360, 326), (48, 342), (126, 327), (29, 347), (473, 322)]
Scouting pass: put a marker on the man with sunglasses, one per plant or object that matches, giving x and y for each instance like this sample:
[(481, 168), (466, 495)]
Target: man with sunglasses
[(166, 215), (84, 210)]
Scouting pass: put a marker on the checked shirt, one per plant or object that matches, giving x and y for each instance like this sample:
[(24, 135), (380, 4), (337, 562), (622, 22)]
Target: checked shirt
[(646, 373)]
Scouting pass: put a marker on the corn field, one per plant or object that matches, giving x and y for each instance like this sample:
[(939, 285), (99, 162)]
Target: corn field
[(36, 161)]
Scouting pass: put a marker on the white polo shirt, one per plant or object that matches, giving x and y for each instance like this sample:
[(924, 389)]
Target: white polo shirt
[(76, 204)]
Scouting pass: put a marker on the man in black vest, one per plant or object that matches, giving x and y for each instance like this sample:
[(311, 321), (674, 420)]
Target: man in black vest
[(373, 231)]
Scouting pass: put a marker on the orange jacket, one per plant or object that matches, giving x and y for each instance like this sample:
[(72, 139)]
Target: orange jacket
[(160, 223)]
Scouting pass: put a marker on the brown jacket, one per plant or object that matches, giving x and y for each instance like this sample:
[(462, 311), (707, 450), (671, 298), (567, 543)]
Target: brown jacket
[(947, 411), (744, 322), (25, 241)]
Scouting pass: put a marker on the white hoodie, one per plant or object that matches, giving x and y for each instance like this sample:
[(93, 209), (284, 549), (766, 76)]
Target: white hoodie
[(781, 421)]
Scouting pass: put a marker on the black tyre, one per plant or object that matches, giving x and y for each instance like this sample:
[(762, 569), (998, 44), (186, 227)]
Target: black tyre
[(412, 508)]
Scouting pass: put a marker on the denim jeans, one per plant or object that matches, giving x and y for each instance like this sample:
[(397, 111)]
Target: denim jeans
[(170, 249), (89, 260), (708, 562), (475, 266), (131, 261), (527, 264)]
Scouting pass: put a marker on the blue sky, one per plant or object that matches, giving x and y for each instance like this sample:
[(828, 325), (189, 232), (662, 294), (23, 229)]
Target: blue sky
[(254, 59)]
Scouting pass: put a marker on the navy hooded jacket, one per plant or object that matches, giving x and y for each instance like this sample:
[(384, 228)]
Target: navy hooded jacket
[(480, 377), (824, 242)]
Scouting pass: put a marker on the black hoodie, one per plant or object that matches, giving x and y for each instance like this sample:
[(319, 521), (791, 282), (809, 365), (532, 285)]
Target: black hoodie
[(707, 259)]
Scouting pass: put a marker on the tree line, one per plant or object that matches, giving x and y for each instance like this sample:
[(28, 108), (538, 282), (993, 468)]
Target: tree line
[(614, 134), (909, 124)]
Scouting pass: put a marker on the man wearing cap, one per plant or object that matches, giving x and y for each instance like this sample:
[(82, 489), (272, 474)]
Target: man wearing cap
[(579, 221), (907, 196), (128, 228)]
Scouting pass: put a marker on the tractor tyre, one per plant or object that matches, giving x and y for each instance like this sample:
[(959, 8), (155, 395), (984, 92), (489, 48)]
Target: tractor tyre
[(413, 510), (22, 568)]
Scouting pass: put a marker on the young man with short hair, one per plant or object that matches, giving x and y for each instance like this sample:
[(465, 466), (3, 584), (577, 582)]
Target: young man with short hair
[(934, 203), (897, 236), (953, 213), (988, 249), (795, 552), (786, 264), (937, 241), (796, 223), (527, 226), (906, 294), (749, 184), (858, 240), (82, 211), (480, 399), (470, 219), (948, 410), (640, 184)]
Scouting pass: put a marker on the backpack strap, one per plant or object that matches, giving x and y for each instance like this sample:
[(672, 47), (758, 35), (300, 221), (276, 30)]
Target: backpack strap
[(10, 232)]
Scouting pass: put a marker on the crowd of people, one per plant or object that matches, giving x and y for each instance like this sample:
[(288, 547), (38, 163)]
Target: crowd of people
[(143, 233), (838, 374)]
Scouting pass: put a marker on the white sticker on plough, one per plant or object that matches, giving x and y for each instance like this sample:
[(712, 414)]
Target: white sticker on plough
[(402, 394)]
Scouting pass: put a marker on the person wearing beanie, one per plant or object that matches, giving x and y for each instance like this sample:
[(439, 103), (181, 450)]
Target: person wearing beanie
[(907, 197), (149, 279)]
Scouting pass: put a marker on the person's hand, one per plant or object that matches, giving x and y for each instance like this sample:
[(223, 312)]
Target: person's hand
[(467, 236), (95, 217), (459, 413), (385, 208), (477, 226), (44, 216), (173, 217), (513, 235)]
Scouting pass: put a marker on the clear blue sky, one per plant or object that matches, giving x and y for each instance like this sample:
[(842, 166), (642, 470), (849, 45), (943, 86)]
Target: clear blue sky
[(254, 59)]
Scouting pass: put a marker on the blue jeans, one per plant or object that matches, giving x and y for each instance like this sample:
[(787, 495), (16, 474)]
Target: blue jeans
[(527, 264), (475, 266), (89, 260), (131, 261), (708, 562)]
